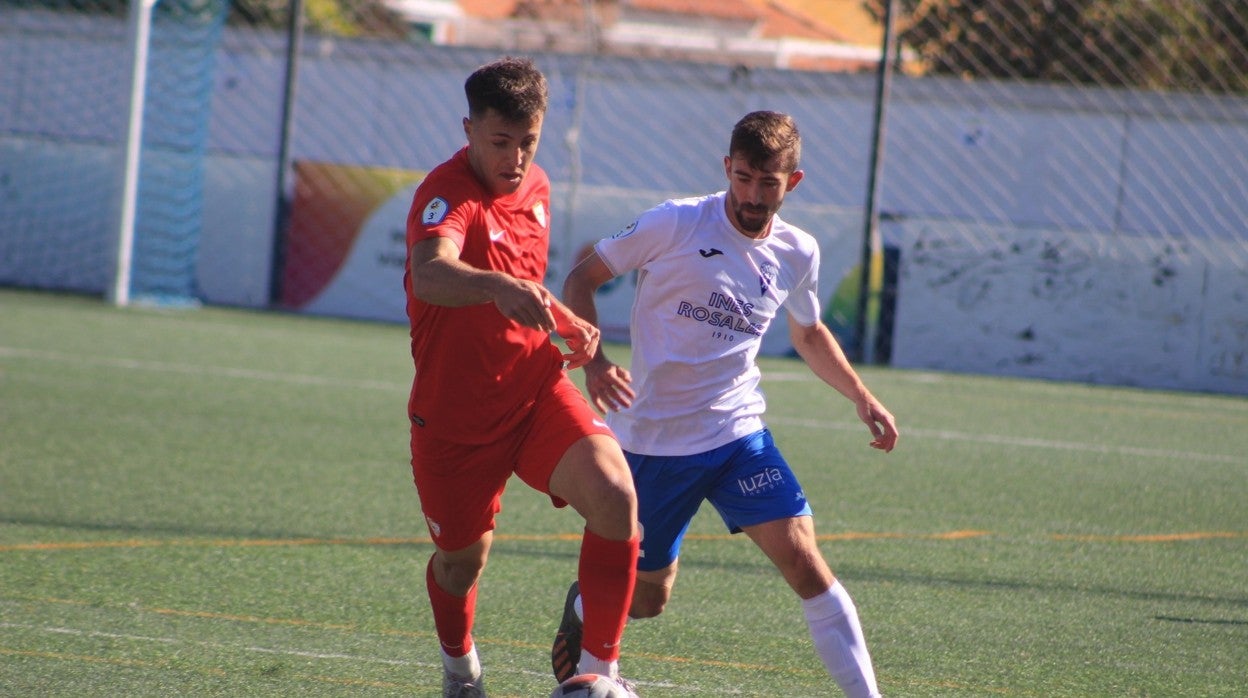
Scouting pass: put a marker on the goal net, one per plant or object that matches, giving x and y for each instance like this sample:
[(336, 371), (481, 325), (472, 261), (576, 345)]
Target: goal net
[(64, 99)]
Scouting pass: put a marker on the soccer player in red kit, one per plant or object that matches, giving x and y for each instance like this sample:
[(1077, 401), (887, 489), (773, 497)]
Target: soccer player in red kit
[(491, 396)]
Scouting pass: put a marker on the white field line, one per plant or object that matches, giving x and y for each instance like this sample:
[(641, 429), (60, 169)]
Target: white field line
[(307, 654), (1172, 400), (215, 645), (1023, 441), (304, 379), (193, 370)]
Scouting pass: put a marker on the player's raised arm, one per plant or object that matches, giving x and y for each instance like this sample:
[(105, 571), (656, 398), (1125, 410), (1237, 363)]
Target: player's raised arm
[(439, 277), (819, 349), (609, 386), (584, 279)]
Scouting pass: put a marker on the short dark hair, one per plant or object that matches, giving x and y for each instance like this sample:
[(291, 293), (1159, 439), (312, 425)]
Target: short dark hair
[(513, 87), (761, 136)]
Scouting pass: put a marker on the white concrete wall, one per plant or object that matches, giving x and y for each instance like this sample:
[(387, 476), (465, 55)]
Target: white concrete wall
[(1039, 239), (1034, 306)]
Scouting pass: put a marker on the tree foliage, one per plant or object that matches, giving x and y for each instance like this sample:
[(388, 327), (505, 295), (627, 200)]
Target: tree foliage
[(1188, 45), (337, 17)]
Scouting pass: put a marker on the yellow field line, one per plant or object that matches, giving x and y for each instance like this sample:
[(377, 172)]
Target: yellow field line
[(216, 543), (423, 540), (1152, 538)]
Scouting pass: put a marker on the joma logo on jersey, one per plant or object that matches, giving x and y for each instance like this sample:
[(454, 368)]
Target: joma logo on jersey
[(762, 480), (626, 231)]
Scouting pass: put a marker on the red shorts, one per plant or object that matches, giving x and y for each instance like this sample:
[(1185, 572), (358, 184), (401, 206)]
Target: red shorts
[(461, 485)]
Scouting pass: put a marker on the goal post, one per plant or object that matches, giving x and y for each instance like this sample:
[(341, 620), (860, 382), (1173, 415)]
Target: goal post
[(172, 46), (138, 40)]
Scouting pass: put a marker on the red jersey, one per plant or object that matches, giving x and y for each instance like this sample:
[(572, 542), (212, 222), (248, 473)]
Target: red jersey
[(478, 372)]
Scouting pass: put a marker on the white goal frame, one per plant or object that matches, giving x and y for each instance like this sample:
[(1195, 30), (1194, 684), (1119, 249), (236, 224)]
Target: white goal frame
[(139, 39)]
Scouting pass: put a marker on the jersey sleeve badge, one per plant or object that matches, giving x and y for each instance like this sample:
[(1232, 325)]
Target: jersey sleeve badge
[(435, 211), (539, 212)]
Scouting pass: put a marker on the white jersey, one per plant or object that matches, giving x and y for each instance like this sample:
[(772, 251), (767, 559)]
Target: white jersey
[(705, 296)]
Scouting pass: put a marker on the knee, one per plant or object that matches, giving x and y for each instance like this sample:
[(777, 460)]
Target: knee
[(809, 579), (595, 479), (646, 608), (613, 514), (457, 577), (612, 480), (615, 491), (464, 577), (649, 599), (609, 504)]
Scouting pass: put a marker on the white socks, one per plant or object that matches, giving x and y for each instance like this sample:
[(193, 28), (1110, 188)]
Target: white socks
[(467, 666), (589, 664), (839, 642), (835, 629)]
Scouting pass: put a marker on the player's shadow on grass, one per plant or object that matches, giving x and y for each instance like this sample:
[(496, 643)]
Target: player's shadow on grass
[(1201, 621), (760, 568), (763, 568)]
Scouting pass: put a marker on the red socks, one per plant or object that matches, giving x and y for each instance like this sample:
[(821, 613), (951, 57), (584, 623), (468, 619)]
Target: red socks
[(452, 615), (606, 573)]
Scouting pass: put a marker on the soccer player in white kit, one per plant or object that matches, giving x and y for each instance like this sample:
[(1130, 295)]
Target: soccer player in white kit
[(712, 273)]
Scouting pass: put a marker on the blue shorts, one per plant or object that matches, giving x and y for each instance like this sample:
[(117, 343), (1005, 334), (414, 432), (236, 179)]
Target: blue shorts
[(747, 481)]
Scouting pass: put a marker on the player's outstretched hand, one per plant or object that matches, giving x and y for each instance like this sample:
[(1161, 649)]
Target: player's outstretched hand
[(580, 335), (881, 423), (525, 302), (610, 387)]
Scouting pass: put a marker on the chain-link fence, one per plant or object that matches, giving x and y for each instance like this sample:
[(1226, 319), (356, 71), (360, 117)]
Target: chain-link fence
[(1067, 183), (1057, 189)]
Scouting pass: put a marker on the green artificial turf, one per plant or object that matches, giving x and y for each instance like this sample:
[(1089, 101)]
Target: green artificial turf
[(218, 502)]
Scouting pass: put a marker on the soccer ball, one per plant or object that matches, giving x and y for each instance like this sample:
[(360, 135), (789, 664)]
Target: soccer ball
[(589, 686)]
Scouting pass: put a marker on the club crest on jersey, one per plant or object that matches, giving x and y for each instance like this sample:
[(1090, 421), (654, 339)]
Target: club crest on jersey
[(435, 211), (766, 277), (539, 212)]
